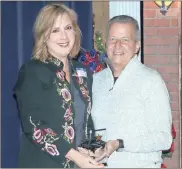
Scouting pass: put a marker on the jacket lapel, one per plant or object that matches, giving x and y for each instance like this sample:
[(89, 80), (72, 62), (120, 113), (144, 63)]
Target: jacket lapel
[(79, 77)]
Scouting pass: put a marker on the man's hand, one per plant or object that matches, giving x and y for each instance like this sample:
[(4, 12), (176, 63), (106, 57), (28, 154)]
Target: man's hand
[(101, 153), (109, 148)]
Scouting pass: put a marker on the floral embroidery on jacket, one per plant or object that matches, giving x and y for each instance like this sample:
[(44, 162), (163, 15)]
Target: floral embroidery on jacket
[(45, 137), (82, 82), (66, 100), (66, 164), (64, 91), (67, 104)]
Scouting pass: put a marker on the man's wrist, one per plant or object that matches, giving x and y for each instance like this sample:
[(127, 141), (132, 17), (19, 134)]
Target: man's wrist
[(121, 145)]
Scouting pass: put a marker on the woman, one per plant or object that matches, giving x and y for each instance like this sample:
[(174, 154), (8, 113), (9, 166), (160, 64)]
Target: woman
[(53, 93)]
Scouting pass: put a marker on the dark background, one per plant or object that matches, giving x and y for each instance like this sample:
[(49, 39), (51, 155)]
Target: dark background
[(16, 45)]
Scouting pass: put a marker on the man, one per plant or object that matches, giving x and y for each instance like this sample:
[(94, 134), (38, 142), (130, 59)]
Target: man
[(131, 101)]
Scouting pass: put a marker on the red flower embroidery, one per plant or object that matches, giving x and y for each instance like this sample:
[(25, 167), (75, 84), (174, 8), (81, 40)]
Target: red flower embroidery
[(49, 131), (69, 132), (38, 135), (60, 75), (79, 80), (83, 90), (45, 137), (51, 149), (66, 95), (68, 114)]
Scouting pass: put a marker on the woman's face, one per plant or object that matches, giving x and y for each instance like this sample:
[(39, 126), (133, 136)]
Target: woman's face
[(62, 37)]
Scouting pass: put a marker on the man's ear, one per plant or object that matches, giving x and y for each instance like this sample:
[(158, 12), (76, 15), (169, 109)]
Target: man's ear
[(138, 44), (105, 44)]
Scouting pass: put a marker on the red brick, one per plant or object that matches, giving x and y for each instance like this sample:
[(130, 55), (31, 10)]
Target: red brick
[(151, 66), (157, 60), (174, 22), (171, 12), (174, 96), (148, 22), (176, 144), (150, 5), (157, 22), (175, 78), (174, 106), (175, 5), (149, 50), (168, 69), (175, 115), (161, 38), (173, 87), (166, 77), (175, 60), (160, 41), (150, 31), (176, 154), (177, 128), (162, 22), (149, 13), (172, 162), (168, 50), (168, 32), (175, 163)]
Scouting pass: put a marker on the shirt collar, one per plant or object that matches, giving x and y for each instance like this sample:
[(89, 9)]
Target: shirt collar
[(55, 61), (129, 68)]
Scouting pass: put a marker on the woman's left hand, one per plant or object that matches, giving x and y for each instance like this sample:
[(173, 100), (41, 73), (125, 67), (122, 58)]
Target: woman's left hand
[(98, 152), (83, 160)]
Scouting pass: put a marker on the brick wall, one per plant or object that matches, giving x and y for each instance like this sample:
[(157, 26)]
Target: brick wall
[(162, 42)]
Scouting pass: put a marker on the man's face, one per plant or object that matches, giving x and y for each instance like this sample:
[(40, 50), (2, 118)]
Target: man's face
[(121, 44)]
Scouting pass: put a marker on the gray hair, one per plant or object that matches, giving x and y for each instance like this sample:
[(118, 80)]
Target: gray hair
[(125, 19)]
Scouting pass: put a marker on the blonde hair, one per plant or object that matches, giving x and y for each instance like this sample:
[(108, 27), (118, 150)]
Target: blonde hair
[(43, 25)]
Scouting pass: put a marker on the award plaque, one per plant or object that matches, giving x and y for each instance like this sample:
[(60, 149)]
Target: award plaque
[(98, 140)]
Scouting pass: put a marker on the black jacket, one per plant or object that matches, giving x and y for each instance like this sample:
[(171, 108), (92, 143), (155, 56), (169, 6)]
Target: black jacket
[(46, 112)]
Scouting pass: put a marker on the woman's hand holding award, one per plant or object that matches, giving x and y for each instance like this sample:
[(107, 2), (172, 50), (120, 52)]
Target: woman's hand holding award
[(95, 144)]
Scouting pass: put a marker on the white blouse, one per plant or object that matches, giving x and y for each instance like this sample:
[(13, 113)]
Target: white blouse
[(135, 109)]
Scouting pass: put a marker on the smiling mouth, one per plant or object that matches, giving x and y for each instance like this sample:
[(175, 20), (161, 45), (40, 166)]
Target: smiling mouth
[(118, 53), (63, 44)]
